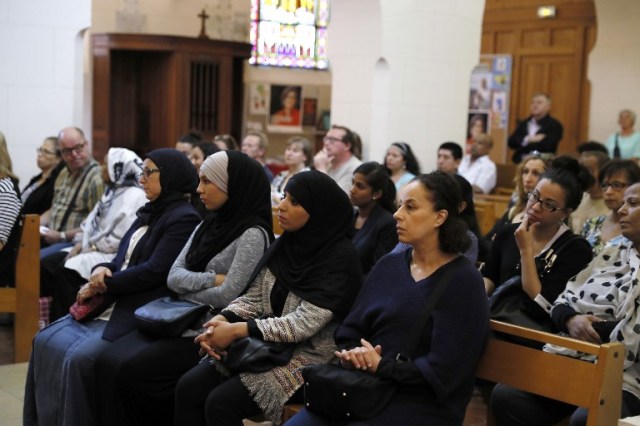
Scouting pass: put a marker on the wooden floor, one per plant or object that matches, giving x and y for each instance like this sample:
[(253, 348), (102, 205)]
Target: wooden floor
[(476, 411)]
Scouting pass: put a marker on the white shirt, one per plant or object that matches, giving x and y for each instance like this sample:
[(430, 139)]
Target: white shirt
[(481, 173)]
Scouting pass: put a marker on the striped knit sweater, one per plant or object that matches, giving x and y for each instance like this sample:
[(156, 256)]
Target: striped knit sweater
[(301, 322), (9, 208)]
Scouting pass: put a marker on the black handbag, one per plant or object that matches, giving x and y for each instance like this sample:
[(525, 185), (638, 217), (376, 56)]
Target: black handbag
[(340, 393), (169, 317), (511, 304), (253, 355)]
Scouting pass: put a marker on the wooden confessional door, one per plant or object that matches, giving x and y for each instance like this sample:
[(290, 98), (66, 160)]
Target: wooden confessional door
[(150, 89)]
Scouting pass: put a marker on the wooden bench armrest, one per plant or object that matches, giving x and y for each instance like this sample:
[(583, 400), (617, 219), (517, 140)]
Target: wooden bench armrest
[(594, 385), (23, 298)]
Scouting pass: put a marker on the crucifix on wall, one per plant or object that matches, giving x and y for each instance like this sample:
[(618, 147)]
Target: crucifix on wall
[(203, 17)]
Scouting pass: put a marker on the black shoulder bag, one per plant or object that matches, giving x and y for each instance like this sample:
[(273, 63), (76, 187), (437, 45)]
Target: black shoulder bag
[(509, 303), (341, 393)]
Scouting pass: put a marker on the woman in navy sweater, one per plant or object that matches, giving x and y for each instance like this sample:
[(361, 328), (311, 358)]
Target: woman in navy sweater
[(436, 384), (373, 194), (60, 380)]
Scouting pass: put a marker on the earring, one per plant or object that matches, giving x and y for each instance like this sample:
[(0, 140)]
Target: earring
[(373, 198)]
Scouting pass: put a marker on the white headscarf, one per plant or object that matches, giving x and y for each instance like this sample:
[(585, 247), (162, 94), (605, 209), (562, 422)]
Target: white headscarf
[(125, 169)]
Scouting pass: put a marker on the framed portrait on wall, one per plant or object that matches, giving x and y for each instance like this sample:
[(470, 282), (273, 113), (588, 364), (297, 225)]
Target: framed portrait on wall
[(285, 112)]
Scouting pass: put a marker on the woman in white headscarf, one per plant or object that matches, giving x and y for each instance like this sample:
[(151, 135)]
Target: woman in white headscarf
[(101, 231)]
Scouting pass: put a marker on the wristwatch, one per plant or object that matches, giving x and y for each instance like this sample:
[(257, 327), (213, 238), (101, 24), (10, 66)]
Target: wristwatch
[(63, 236)]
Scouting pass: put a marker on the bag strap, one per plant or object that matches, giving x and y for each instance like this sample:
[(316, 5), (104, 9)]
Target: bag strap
[(414, 338), (72, 204)]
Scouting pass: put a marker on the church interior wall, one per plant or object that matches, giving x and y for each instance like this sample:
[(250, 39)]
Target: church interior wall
[(614, 66), (398, 72)]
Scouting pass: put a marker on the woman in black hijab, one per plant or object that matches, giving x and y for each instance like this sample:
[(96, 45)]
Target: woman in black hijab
[(60, 380), (139, 373), (300, 291)]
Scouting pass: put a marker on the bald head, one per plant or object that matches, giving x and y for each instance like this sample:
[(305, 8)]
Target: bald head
[(74, 148)]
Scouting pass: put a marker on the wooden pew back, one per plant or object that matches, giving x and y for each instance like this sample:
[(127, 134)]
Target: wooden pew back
[(593, 385), (22, 300)]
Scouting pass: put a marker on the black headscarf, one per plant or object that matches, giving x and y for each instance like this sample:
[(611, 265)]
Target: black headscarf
[(178, 180), (318, 263), (248, 205)]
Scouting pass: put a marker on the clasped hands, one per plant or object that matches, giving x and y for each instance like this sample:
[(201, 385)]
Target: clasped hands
[(95, 285), (366, 357), (218, 335)]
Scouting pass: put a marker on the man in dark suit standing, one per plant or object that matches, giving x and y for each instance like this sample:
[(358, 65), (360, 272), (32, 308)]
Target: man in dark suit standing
[(540, 132)]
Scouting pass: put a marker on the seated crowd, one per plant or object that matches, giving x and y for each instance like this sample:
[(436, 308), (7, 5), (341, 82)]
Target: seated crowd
[(363, 250)]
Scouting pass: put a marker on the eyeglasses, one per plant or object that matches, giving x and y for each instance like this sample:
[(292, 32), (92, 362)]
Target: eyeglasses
[(77, 149), (615, 185), (44, 151), (147, 172), (534, 197), (331, 139)]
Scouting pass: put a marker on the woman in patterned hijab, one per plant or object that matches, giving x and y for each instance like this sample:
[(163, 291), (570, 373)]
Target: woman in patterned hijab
[(101, 231)]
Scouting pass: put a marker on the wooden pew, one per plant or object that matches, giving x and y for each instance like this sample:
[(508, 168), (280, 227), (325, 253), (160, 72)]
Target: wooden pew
[(593, 385), (23, 299), (485, 214), (501, 201), (505, 173)]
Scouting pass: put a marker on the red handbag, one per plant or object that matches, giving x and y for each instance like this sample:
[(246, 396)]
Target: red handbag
[(90, 309)]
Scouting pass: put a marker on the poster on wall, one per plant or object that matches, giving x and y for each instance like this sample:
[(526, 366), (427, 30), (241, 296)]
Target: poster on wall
[(489, 100), (478, 122), (285, 113), (310, 111), (258, 98)]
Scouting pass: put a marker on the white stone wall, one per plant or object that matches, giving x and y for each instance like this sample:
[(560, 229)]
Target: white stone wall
[(40, 75), (614, 66), (401, 71)]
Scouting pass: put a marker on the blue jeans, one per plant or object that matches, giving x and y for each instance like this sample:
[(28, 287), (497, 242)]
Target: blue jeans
[(53, 248)]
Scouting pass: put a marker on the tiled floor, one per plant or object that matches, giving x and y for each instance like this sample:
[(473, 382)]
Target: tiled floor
[(12, 377)]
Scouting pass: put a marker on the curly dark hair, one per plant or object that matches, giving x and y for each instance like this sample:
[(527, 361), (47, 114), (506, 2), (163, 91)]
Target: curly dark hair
[(444, 192)]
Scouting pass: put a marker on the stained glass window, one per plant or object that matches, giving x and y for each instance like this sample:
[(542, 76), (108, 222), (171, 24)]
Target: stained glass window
[(289, 33)]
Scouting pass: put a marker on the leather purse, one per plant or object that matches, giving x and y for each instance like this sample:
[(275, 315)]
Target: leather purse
[(339, 393), (169, 317), (509, 303), (253, 355)]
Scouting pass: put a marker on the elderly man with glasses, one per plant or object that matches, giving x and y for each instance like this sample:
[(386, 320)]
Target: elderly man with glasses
[(340, 155), (77, 189)]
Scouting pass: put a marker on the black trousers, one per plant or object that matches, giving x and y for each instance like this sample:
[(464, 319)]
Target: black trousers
[(513, 407), (61, 283), (205, 397), (137, 377)]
